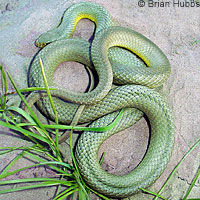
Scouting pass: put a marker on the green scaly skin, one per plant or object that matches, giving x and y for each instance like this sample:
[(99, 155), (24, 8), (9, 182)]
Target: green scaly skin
[(106, 102)]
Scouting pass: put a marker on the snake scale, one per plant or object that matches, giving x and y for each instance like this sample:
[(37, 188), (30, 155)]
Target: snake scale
[(121, 56)]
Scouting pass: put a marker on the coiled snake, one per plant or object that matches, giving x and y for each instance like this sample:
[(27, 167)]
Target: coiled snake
[(138, 66)]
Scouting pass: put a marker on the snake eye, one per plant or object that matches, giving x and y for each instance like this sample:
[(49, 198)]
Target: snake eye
[(42, 45)]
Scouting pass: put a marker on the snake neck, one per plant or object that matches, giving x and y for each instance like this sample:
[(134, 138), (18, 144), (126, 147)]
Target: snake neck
[(70, 19)]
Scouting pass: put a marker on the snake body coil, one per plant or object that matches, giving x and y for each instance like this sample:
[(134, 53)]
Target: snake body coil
[(140, 62)]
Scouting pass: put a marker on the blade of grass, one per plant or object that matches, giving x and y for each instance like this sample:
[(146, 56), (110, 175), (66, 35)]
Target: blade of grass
[(81, 183), (179, 163), (54, 163), (45, 184), (192, 184), (153, 193), (11, 149), (96, 129), (6, 169), (22, 113), (4, 87), (32, 89), (47, 90), (36, 165), (65, 191), (102, 158), (57, 163), (67, 194), (6, 118), (82, 195), (9, 117), (26, 103), (27, 180), (19, 156), (100, 195), (76, 173), (37, 158), (52, 105), (194, 199), (195, 42), (25, 132), (72, 154)]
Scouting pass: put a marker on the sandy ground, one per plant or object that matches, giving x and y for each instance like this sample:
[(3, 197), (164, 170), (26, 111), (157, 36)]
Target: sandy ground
[(175, 29)]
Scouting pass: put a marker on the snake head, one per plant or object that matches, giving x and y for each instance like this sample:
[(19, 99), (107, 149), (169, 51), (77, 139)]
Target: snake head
[(43, 40), (48, 37), (40, 44)]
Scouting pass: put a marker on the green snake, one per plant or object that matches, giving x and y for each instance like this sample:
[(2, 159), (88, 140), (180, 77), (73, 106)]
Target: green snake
[(118, 55)]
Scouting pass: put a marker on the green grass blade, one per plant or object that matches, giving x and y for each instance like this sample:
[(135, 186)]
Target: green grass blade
[(25, 132), (81, 183), (6, 169), (76, 173), (47, 88), (195, 42), (52, 105), (26, 103), (179, 163), (3, 151), (100, 195), (153, 193), (57, 163), (7, 118), (194, 199), (4, 87), (28, 124), (53, 163), (102, 158), (39, 159), (45, 184), (65, 192), (82, 195), (36, 165), (192, 184), (11, 149), (22, 113), (71, 150), (96, 129), (27, 180), (32, 89)]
